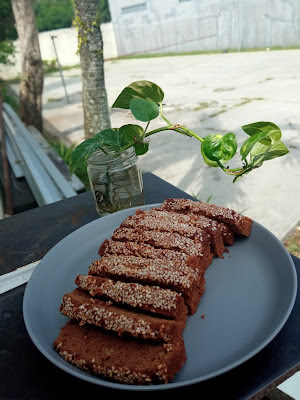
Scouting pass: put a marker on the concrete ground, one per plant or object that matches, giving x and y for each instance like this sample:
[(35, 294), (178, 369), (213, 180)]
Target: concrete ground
[(207, 93)]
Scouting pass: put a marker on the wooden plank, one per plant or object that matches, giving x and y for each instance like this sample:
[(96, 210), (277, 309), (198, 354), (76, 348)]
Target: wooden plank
[(277, 394)]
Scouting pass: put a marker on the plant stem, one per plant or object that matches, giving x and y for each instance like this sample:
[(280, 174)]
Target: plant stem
[(179, 128), (191, 133), (105, 152), (166, 128), (145, 131), (235, 171), (163, 117), (146, 127)]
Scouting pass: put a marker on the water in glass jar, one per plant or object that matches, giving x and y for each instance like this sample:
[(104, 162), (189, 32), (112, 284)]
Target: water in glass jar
[(117, 190)]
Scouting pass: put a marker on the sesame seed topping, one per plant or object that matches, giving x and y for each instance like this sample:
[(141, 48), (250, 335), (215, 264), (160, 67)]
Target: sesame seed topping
[(145, 270), (163, 240), (150, 298), (116, 319)]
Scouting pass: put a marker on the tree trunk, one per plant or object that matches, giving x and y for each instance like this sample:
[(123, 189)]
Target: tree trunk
[(90, 47), (32, 79)]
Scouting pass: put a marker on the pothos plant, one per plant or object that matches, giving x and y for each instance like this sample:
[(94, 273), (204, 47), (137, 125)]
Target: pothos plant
[(145, 101)]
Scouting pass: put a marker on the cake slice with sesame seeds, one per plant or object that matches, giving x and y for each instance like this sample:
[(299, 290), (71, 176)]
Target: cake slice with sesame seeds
[(162, 224), (129, 313), (239, 224), (120, 359), (200, 229), (162, 240), (210, 225), (79, 305), (144, 250), (152, 299), (166, 274)]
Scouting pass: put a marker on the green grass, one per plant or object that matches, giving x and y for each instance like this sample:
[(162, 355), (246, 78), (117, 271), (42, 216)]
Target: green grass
[(245, 100), (54, 99), (202, 106), (199, 52), (197, 197), (48, 70), (7, 97), (224, 109), (66, 68), (65, 152), (292, 242)]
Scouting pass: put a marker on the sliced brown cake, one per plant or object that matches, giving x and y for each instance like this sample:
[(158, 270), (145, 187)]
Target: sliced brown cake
[(128, 314), (136, 249), (153, 299), (160, 223), (79, 305), (117, 358), (210, 225), (198, 228), (170, 275), (239, 224), (162, 240)]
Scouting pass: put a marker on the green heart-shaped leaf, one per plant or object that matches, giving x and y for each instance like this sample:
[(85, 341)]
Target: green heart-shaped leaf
[(207, 160), (85, 149), (112, 138), (142, 90), (144, 110), (131, 134), (271, 131), (141, 148), (134, 134), (261, 152), (250, 142), (217, 147)]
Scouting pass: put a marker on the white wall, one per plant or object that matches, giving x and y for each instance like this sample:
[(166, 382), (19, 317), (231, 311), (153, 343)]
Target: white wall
[(176, 25), (66, 46)]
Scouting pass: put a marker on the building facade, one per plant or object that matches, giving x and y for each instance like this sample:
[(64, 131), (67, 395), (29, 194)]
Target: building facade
[(155, 26)]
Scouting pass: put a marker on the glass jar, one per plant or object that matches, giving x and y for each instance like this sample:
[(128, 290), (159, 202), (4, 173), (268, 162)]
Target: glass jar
[(115, 180)]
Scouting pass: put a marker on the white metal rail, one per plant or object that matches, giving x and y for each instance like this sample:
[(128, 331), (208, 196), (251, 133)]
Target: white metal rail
[(27, 158)]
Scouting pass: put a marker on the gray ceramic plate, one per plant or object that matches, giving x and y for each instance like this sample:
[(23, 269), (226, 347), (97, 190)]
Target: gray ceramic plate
[(248, 298)]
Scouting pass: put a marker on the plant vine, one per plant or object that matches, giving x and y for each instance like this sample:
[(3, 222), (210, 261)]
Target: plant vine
[(145, 101)]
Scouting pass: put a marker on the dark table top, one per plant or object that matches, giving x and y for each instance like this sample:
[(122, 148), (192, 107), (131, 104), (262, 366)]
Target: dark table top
[(27, 374)]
